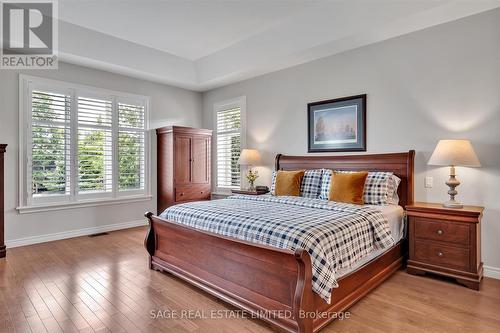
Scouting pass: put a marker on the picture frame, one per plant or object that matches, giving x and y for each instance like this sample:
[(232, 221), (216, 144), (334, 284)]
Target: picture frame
[(337, 125)]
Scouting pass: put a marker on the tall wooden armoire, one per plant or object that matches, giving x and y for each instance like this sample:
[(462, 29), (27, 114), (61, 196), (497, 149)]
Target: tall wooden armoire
[(183, 165)]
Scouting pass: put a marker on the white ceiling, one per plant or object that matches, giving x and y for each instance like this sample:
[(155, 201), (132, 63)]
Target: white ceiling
[(208, 43)]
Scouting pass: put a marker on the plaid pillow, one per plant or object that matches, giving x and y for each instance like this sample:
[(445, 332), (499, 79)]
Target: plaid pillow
[(376, 187), (311, 184)]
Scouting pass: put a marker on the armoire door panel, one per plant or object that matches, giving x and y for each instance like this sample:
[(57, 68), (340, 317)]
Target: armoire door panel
[(200, 160), (182, 163)]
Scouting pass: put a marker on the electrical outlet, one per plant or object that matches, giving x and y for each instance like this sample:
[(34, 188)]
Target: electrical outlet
[(429, 182)]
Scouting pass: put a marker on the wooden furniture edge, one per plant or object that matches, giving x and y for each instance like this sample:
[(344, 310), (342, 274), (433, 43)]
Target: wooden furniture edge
[(3, 248), (185, 130), (422, 208), (470, 280)]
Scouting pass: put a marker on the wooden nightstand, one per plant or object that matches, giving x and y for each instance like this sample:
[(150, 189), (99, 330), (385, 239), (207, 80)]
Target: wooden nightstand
[(446, 241), (248, 192)]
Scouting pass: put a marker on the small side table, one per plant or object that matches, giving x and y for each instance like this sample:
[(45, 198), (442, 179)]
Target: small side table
[(446, 241)]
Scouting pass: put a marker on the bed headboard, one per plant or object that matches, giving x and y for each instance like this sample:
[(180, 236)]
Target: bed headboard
[(401, 164)]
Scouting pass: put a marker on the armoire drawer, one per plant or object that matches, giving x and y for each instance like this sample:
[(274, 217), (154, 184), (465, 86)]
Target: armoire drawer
[(192, 192)]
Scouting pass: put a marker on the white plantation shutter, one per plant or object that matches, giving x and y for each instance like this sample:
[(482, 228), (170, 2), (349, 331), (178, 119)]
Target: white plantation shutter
[(50, 143), (131, 147), (229, 142), (81, 143), (95, 144)]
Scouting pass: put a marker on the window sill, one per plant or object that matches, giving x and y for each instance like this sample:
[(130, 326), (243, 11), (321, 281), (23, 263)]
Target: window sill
[(81, 204)]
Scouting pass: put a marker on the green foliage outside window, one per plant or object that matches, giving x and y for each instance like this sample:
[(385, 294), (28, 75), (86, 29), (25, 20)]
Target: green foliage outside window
[(228, 126), (50, 150), (235, 154), (129, 158), (91, 167), (130, 145)]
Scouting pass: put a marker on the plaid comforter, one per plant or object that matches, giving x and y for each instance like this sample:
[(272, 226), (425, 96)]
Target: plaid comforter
[(336, 235)]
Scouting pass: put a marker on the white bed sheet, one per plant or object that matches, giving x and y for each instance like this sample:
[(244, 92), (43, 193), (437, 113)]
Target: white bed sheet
[(395, 217)]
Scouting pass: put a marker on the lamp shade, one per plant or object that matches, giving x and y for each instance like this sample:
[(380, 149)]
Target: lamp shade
[(454, 153), (249, 157)]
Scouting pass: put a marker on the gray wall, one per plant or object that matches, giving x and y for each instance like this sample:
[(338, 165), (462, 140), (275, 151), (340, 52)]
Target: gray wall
[(442, 82), (169, 106)]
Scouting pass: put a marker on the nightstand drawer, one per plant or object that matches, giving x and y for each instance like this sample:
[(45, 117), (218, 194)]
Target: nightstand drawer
[(445, 256), (436, 230)]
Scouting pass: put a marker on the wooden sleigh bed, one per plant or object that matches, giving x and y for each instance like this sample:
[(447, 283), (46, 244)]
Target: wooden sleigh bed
[(268, 282)]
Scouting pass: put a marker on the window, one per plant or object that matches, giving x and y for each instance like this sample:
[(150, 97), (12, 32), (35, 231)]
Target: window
[(94, 151), (230, 139), (50, 141), (81, 144), (131, 136)]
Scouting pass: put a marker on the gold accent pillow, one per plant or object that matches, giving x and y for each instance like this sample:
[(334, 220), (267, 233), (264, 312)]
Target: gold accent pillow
[(348, 187), (288, 182)]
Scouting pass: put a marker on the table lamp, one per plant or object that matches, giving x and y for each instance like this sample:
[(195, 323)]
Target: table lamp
[(454, 153), (250, 158)]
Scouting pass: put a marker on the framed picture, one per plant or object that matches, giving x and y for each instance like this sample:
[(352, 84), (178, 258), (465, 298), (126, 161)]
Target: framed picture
[(337, 125)]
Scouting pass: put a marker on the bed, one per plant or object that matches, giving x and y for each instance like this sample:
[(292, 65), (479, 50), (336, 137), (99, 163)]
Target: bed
[(280, 285)]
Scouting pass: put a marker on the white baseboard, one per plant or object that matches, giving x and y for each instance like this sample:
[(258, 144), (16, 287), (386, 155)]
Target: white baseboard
[(73, 233), (492, 272)]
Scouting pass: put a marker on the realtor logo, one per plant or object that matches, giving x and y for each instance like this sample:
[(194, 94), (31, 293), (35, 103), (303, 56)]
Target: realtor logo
[(29, 34)]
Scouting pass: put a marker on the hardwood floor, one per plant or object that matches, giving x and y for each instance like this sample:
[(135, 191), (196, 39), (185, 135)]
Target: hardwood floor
[(103, 284)]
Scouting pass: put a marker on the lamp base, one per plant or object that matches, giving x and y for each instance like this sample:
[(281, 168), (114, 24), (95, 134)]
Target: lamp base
[(453, 204), (452, 184)]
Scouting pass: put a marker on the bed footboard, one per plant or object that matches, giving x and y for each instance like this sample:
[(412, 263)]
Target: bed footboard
[(270, 283)]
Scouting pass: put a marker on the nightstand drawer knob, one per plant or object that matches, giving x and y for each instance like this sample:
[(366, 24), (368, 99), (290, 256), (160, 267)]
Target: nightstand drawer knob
[(440, 254), (440, 232)]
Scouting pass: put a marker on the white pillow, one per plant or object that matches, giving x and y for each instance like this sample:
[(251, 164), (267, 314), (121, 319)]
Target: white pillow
[(392, 194), (273, 182)]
